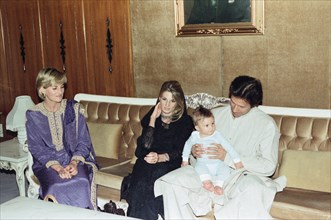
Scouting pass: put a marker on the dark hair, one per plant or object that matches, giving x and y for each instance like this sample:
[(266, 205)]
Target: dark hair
[(247, 88), (201, 113), (176, 90)]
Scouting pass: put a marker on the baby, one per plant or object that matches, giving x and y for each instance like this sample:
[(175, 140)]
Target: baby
[(212, 172)]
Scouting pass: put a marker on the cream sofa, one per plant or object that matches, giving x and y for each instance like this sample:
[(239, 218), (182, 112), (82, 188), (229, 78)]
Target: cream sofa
[(304, 149)]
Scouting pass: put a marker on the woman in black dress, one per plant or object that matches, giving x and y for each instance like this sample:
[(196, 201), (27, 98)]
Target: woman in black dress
[(166, 127)]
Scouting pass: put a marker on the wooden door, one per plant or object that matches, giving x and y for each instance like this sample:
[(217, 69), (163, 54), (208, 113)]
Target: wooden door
[(101, 81)]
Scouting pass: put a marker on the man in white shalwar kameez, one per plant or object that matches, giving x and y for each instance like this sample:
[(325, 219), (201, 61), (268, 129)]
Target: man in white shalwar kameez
[(249, 192)]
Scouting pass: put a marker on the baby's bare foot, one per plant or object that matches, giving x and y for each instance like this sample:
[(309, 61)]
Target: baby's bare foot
[(208, 185), (218, 190)]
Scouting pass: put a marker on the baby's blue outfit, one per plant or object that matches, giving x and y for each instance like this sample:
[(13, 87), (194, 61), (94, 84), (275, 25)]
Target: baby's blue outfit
[(211, 169)]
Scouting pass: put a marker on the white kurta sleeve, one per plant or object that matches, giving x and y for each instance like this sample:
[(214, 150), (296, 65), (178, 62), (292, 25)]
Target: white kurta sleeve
[(264, 161)]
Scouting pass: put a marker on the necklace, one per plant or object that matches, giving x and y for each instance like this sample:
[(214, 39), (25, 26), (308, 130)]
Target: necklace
[(166, 117), (166, 120)]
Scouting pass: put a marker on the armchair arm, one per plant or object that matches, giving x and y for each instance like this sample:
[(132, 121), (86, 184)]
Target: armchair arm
[(33, 190)]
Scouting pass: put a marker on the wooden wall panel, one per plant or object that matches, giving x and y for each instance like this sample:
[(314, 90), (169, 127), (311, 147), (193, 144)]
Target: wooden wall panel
[(120, 80), (4, 81), (84, 31), (14, 80), (69, 14)]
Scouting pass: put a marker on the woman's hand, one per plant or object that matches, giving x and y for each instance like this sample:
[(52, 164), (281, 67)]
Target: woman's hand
[(156, 113), (216, 152), (63, 173), (151, 158), (72, 168)]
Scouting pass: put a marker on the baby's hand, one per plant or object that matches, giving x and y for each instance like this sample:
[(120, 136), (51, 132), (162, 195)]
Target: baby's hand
[(239, 165), (184, 163)]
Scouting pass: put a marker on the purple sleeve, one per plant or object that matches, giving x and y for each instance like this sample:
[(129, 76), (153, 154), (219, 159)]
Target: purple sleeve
[(39, 150), (183, 133)]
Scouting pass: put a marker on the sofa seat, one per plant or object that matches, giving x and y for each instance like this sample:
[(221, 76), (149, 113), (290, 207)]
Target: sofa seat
[(110, 179), (105, 163), (301, 204)]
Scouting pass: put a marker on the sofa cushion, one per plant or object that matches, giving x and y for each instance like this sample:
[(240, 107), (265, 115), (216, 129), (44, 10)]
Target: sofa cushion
[(301, 204), (112, 176), (106, 139), (307, 169)]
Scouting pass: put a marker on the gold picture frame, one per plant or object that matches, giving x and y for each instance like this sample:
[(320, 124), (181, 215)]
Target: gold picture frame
[(246, 20)]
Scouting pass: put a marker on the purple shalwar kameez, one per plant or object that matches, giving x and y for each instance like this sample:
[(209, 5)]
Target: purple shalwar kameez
[(57, 138)]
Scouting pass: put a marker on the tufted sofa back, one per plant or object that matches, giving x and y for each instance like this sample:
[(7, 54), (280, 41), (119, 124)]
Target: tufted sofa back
[(303, 134), (297, 133), (113, 113)]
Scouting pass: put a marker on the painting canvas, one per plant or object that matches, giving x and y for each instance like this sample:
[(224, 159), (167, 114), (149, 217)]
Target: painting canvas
[(219, 17)]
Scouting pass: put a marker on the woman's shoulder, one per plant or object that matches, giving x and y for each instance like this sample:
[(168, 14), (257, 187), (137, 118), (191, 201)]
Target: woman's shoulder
[(36, 108), (189, 117), (71, 103), (77, 106), (36, 112), (186, 120), (186, 117)]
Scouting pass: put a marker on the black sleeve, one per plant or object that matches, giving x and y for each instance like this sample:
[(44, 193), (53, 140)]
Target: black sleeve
[(185, 129), (145, 141)]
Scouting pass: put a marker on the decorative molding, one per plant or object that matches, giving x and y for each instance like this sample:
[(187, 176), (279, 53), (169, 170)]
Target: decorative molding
[(62, 47), (5, 165), (218, 31), (22, 47), (109, 45)]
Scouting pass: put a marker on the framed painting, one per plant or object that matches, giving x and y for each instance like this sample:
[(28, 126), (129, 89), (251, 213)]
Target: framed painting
[(219, 17)]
